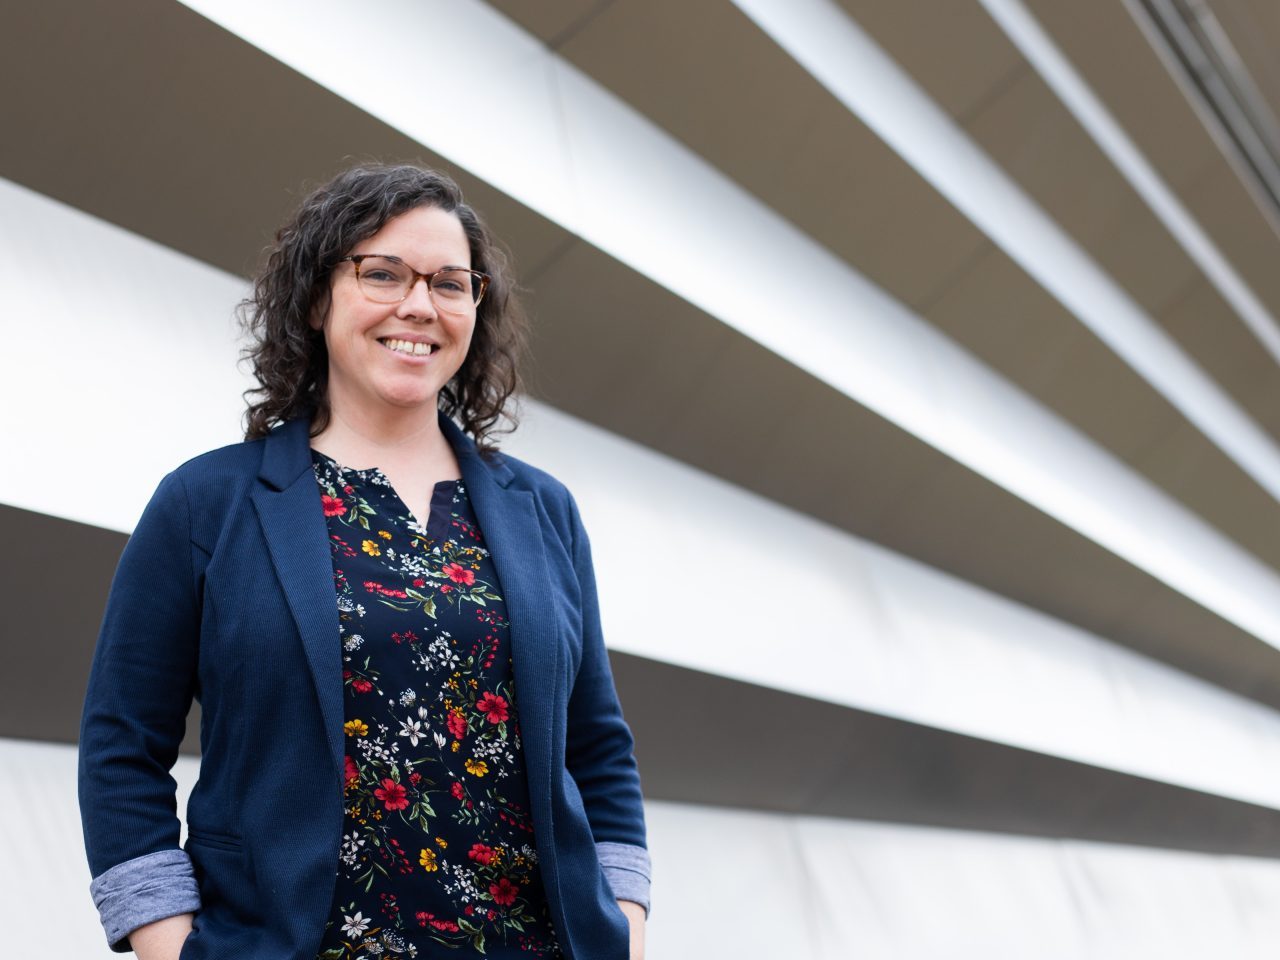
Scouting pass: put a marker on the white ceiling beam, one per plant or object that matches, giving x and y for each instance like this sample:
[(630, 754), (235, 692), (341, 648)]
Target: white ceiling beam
[(840, 55)]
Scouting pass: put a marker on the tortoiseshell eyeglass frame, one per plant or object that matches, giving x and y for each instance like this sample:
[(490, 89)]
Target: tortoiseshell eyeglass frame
[(481, 280)]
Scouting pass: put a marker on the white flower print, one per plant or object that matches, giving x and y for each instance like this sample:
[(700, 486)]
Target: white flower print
[(413, 730), (354, 926)]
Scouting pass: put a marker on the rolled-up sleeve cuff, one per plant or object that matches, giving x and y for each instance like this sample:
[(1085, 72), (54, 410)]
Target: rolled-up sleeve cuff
[(626, 867), (144, 890)]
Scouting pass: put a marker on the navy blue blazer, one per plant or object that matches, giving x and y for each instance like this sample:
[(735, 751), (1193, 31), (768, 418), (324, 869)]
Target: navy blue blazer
[(224, 593)]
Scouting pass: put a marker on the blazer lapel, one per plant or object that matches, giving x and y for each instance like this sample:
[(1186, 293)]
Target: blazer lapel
[(288, 507), (512, 530)]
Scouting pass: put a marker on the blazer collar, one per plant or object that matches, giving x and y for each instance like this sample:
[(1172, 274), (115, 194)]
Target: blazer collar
[(288, 454)]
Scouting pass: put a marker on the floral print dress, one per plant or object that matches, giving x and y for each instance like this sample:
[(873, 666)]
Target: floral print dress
[(437, 843)]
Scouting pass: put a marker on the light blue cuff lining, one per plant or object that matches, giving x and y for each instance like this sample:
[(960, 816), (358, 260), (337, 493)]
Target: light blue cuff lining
[(627, 868), (143, 890)]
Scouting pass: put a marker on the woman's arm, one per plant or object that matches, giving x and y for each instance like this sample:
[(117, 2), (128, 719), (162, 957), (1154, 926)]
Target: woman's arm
[(599, 749), (140, 689)]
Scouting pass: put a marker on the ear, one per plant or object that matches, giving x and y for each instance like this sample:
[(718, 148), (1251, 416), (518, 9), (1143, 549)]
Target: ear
[(320, 310)]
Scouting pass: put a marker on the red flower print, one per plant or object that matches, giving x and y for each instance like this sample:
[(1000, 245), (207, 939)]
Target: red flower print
[(459, 574), (457, 726), (415, 778), (392, 795), (361, 686), (446, 925), (481, 854), (419, 582), (350, 772), (333, 506), (504, 892), (445, 588), (456, 790), (493, 707)]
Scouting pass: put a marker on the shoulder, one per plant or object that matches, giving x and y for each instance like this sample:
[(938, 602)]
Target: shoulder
[(525, 476), (546, 488), (555, 502), (224, 462), (211, 486)]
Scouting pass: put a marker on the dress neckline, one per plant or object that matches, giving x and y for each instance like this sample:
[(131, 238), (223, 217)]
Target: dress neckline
[(371, 471), (442, 491)]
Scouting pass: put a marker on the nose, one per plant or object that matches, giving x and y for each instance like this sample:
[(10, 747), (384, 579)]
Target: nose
[(418, 304)]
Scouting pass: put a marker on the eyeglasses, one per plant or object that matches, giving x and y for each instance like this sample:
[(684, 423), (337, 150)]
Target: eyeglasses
[(386, 279)]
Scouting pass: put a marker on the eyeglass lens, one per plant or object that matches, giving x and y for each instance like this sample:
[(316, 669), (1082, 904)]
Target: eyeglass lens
[(388, 281)]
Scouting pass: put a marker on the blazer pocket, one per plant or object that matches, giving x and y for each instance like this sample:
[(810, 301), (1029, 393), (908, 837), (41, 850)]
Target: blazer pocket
[(209, 838)]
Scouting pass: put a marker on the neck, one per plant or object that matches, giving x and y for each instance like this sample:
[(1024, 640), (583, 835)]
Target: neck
[(357, 437)]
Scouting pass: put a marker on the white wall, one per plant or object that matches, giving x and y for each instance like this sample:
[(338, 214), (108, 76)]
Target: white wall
[(757, 886)]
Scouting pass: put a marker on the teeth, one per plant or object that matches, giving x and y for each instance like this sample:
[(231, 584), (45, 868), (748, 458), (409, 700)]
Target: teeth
[(406, 346)]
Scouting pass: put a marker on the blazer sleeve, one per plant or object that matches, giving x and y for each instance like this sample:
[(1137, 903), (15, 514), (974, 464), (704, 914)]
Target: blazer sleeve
[(599, 749), (140, 689)]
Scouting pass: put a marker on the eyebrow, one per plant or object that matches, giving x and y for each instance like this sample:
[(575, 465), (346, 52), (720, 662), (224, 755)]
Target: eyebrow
[(392, 256)]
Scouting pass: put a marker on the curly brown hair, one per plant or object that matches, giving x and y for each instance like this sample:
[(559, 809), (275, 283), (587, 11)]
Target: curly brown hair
[(288, 356)]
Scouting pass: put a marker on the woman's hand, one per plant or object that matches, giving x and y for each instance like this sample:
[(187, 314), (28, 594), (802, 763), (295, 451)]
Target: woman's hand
[(163, 939), (635, 917)]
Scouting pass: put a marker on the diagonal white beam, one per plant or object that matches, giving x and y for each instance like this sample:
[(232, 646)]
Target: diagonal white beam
[(1065, 81), (557, 141), (894, 636), (846, 60)]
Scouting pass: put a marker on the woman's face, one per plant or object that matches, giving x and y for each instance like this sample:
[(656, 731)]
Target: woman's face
[(371, 368)]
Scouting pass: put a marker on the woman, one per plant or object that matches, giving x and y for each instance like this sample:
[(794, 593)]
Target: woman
[(410, 739)]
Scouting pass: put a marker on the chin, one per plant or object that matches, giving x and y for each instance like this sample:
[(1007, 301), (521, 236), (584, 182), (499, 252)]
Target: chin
[(412, 403)]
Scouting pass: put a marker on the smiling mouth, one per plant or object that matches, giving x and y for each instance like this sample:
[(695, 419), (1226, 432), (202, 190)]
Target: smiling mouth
[(408, 348)]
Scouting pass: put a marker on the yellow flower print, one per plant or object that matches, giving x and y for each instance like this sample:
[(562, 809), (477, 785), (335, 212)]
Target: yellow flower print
[(428, 860), (477, 768), (385, 535), (455, 745), (355, 728), (371, 548), (442, 842)]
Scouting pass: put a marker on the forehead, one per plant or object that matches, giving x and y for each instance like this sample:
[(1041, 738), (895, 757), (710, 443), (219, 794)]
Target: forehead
[(421, 235)]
